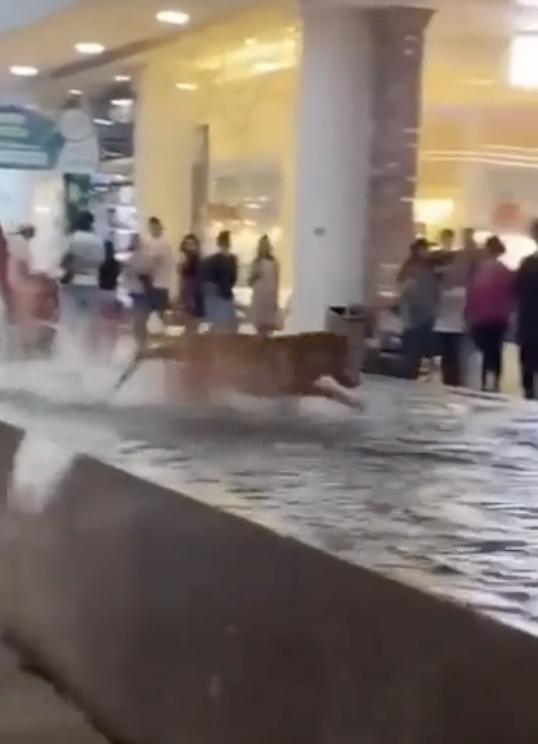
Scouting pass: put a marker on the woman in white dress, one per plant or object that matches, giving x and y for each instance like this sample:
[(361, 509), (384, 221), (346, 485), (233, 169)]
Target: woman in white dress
[(264, 279)]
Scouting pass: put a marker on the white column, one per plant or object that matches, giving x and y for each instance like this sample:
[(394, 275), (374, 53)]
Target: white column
[(470, 210), (164, 151), (332, 163)]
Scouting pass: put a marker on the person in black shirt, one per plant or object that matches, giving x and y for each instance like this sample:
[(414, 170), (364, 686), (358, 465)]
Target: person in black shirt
[(108, 277), (220, 277), (191, 284), (526, 291), (109, 271)]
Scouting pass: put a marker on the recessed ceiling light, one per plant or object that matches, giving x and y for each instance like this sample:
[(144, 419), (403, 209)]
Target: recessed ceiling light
[(122, 101), (122, 78), (186, 86), (176, 17), (89, 47), (266, 66), (75, 92), (24, 71)]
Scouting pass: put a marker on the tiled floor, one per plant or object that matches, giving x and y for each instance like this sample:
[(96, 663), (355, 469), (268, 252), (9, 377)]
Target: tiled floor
[(31, 712)]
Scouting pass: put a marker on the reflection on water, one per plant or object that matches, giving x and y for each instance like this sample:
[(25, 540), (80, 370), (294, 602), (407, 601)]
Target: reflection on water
[(433, 488)]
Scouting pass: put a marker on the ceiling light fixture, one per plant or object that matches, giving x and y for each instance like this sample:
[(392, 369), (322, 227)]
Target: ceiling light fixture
[(122, 101), (89, 47), (522, 60), (75, 92), (24, 71), (175, 17), (264, 67), (186, 86), (103, 122), (122, 78)]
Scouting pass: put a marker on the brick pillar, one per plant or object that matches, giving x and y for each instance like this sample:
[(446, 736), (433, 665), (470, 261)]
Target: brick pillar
[(397, 36)]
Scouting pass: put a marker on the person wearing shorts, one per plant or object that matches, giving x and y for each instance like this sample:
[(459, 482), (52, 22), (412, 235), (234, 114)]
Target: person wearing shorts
[(418, 302), (81, 295), (159, 258)]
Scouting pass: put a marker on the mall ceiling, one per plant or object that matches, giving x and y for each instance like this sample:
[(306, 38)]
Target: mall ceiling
[(468, 102), (123, 27)]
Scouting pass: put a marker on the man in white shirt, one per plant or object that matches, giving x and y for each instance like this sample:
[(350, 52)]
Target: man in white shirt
[(161, 266), (450, 324)]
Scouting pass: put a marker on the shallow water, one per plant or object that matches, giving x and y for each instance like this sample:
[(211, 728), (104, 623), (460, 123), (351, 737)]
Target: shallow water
[(434, 488)]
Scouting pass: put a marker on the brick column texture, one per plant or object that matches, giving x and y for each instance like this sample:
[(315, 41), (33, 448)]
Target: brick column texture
[(397, 35)]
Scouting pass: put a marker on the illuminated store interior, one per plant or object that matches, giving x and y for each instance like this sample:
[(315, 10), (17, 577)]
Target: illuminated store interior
[(479, 140), (238, 80)]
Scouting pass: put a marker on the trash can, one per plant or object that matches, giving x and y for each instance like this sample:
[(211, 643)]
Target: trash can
[(349, 321)]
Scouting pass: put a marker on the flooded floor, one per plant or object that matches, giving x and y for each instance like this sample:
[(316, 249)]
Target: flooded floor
[(434, 488)]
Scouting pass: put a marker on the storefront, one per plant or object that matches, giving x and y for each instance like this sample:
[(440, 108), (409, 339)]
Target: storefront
[(239, 126)]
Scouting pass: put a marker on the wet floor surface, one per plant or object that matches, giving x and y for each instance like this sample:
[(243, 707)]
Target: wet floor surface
[(435, 489)]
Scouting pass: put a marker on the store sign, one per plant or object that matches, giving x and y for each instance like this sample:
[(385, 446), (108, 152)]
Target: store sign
[(33, 141)]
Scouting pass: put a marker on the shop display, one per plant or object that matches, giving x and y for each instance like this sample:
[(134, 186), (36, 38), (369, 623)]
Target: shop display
[(112, 202)]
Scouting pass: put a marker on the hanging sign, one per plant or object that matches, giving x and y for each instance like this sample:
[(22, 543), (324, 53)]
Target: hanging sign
[(33, 141)]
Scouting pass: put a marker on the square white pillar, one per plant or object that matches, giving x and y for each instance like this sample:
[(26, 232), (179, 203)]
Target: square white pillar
[(164, 151), (332, 163)]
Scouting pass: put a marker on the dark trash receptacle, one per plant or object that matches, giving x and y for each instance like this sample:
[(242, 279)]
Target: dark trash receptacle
[(349, 321)]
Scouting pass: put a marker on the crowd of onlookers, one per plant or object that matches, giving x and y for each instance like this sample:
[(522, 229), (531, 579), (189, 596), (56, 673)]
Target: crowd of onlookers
[(94, 291), (454, 300)]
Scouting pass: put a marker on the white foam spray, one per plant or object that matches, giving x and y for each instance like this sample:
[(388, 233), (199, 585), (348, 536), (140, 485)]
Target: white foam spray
[(41, 462), (39, 468)]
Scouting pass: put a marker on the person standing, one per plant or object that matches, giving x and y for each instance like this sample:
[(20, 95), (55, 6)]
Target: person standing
[(417, 304), (220, 277), (160, 263), (191, 284), (490, 301), (526, 300), (82, 262), (108, 278), (136, 282), (264, 280), (450, 325), (34, 294), (22, 289), (447, 239)]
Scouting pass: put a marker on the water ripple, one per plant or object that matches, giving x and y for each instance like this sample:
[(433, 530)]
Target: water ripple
[(436, 489)]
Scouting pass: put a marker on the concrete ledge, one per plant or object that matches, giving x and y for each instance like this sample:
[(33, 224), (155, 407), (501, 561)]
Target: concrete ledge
[(169, 621), (31, 712)]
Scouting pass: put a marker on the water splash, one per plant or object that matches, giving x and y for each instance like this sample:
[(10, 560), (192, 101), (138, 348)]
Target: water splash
[(39, 468), (71, 374)]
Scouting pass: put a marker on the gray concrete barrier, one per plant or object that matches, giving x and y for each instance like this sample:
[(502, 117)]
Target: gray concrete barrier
[(168, 621)]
